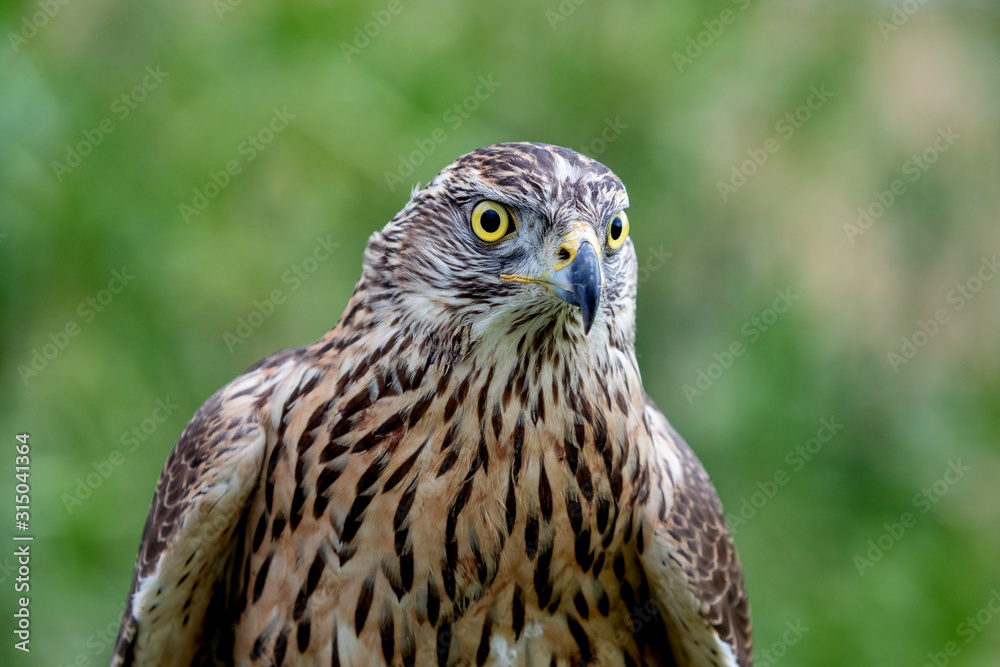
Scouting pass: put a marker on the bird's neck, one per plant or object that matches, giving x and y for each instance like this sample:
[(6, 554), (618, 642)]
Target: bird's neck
[(550, 377), (529, 355)]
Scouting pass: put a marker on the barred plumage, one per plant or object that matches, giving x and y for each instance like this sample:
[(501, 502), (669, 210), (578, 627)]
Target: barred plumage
[(465, 469)]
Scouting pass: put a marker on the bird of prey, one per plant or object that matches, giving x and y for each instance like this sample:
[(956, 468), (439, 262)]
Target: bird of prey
[(465, 469)]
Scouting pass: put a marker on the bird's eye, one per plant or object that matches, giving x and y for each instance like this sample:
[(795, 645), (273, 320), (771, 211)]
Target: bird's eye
[(492, 221), (618, 230)]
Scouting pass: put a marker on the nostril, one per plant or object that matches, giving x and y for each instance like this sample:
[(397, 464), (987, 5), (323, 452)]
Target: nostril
[(563, 255)]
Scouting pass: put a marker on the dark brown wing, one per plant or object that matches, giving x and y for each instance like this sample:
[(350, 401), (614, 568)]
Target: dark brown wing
[(691, 563), (200, 500)]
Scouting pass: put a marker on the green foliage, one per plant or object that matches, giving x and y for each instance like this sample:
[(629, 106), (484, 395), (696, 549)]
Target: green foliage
[(227, 143)]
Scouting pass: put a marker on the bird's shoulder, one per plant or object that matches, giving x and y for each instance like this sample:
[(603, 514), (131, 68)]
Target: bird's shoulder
[(207, 483), (691, 561)]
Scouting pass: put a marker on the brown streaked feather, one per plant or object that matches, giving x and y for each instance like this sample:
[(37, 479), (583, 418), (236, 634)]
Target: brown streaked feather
[(456, 469), (199, 504), (692, 556)]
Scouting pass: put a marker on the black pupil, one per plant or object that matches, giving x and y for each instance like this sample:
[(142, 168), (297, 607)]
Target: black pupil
[(616, 229), (490, 221)]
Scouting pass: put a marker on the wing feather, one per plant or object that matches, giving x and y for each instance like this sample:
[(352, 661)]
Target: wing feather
[(691, 563), (204, 490)]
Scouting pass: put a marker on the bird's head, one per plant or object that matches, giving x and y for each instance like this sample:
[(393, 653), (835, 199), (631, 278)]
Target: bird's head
[(514, 237)]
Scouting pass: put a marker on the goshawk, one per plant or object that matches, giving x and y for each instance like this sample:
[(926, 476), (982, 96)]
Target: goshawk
[(466, 469)]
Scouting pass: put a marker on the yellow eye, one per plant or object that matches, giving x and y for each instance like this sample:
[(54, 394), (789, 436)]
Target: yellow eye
[(618, 230), (492, 221)]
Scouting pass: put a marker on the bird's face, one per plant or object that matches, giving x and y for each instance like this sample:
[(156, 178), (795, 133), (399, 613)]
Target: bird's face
[(517, 236)]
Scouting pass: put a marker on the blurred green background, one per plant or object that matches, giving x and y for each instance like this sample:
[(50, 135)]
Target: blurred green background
[(803, 112)]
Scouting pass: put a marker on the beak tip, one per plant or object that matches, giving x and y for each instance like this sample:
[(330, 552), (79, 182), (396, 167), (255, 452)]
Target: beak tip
[(587, 316), (584, 275)]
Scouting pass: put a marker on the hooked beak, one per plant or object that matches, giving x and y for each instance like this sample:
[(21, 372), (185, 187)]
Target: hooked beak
[(576, 278), (579, 283)]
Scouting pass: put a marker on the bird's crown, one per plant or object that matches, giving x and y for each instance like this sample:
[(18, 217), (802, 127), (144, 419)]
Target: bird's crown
[(507, 237)]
